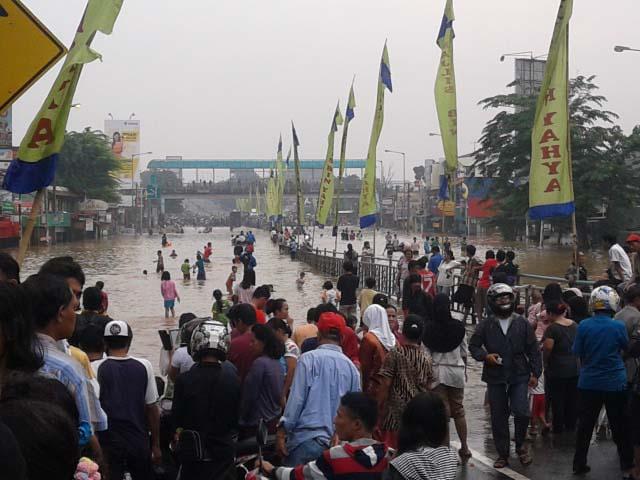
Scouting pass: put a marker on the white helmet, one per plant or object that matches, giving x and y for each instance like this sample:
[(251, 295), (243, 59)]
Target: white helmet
[(209, 335), (604, 298), (499, 309)]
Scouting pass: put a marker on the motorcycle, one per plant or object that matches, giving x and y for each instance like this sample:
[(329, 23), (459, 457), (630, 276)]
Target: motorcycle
[(247, 458)]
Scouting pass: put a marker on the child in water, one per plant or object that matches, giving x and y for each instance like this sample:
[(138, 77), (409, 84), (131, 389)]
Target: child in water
[(186, 270), (160, 262), (169, 294), (173, 254), (220, 307), (300, 281), (230, 280)]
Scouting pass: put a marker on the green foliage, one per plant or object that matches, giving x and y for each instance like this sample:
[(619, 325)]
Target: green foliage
[(603, 161), (87, 165)]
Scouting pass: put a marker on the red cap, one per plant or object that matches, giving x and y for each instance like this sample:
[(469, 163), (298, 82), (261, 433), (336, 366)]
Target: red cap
[(331, 321), (634, 237)]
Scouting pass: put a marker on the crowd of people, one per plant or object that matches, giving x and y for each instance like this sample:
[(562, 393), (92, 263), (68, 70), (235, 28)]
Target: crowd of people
[(356, 391)]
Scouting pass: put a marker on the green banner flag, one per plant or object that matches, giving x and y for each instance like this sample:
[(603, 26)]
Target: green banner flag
[(349, 114), (550, 182), (296, 161), (35, 166), (272, 196), (325, 198), (368, 206), (445, 93)]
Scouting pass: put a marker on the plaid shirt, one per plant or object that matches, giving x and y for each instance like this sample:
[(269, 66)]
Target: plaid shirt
[(471, 272)]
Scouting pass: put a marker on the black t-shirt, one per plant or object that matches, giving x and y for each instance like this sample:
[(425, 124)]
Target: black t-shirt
[(207, 399), (347, 285), (562, 362), (83, 320), (127, 386)]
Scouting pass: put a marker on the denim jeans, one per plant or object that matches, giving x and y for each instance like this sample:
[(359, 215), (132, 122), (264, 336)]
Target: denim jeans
[(306, 452), (503, 401)]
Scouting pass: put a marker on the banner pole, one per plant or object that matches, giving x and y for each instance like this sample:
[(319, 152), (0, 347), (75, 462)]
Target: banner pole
[(26, 235)]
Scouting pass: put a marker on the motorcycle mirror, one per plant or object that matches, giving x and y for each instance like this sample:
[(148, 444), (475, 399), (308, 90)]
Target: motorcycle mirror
[(262, 433)]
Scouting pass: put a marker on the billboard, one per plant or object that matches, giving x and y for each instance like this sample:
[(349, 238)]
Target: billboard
[(529, 74), (124, 138), (6, 151)]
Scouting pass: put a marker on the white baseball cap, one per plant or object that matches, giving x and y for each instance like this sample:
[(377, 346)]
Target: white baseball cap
[(117, 328)]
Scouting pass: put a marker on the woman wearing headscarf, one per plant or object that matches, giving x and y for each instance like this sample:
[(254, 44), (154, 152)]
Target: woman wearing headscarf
[(405, 373), (376, 343), (444, 337)]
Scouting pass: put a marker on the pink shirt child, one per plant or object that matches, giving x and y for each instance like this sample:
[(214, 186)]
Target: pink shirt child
[(168, 290)]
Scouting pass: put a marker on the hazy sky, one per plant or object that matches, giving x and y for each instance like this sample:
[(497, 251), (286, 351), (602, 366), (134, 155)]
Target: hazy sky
[(222, 78)]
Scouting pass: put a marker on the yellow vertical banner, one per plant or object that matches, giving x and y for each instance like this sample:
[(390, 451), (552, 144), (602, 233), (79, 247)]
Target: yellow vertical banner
[(325, 197), (349, 115), (368, 206), (445, 92), (550, 182)]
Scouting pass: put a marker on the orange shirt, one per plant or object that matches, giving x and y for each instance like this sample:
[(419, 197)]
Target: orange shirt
[(372, 355)]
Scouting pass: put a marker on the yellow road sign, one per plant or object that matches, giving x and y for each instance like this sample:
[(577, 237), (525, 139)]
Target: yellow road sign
[(27, 50)]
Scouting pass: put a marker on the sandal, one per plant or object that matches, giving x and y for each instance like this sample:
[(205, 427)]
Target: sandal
[(523, 456), (501, 462)]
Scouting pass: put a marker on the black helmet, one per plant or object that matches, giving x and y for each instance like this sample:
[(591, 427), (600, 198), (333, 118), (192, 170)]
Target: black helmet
[(500, 309)]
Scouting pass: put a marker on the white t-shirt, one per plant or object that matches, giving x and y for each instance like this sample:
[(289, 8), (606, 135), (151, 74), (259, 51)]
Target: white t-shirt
[(291, 349), (244, 296), (445, 273), (331, 297), (182, 360), (617, 254), (504, 324), (448, 368)]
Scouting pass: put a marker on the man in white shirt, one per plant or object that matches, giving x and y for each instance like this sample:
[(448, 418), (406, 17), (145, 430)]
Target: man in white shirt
[(620, 270)]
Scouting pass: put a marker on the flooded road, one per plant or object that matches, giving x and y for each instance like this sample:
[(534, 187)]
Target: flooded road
[(136, 298)]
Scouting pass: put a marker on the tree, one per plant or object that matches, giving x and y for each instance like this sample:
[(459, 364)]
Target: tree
[(604, 174), (86, 165)]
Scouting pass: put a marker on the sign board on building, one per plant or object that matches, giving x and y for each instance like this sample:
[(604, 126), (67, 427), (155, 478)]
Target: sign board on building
[(124, 138), (88, 224), (27, 49), (93, 205)]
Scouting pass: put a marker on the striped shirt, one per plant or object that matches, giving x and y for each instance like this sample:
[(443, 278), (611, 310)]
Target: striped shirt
[(427, 463), (360, 459)]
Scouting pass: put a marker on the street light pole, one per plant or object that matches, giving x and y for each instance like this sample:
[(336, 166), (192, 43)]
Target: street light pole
[(134, 190), (404, 186), (620, 49)]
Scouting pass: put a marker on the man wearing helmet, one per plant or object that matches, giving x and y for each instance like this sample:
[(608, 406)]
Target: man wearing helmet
[(507, 345), (599, 344), (204, 406)]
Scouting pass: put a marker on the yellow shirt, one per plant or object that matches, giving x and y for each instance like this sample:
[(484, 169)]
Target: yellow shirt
[(82, 358), (366, 299)]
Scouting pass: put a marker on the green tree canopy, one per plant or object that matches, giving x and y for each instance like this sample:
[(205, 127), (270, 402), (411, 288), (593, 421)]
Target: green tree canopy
[(87, 165), (605, 177)]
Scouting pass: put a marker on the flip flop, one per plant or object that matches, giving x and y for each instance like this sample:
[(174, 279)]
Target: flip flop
[(501, 463), (524, 457)]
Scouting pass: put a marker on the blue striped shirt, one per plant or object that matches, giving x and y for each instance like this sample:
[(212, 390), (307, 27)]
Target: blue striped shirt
[(68, 371)]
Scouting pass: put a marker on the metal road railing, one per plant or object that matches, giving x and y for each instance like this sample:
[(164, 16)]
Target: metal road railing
[(384, 271)]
